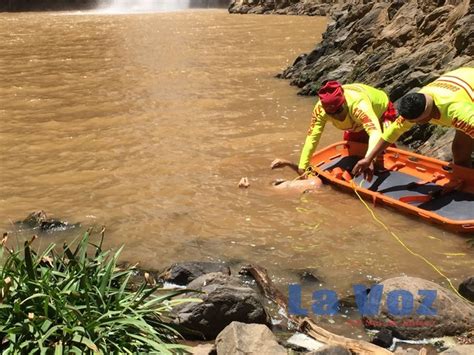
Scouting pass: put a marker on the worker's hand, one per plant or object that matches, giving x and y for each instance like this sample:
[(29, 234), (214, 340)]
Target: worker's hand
[(366, 167), (279, 163), (369, 172)]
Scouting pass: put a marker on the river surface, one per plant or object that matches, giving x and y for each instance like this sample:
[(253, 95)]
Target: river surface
[(145, 123)]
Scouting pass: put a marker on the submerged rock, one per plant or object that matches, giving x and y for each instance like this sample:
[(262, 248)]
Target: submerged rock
[(224, 300), (39, 220), (240, 339), (185, 272), (448, 314)]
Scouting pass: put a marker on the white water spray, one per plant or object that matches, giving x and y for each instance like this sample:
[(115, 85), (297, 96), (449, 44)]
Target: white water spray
[(137, 6)]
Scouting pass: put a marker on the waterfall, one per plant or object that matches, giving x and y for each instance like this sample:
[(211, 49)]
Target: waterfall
[(137, 6)]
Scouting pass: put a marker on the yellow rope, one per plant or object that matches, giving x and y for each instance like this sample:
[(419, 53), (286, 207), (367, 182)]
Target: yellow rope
[(405, 246)]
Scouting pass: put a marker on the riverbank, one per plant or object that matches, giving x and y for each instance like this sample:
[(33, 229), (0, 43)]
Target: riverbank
[(226, 308), (238, 310)]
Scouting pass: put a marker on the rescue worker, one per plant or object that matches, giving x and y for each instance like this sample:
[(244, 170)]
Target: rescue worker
[(360, 110), (447, 101)]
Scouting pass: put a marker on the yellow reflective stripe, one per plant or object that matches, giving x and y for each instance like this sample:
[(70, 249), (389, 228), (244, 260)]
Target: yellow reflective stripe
[(458, 82)]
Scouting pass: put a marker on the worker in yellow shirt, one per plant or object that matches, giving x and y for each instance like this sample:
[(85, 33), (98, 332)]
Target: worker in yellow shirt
[(360, 110), (447, 101)]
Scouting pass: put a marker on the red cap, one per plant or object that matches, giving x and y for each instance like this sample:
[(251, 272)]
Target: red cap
[(331, 96)]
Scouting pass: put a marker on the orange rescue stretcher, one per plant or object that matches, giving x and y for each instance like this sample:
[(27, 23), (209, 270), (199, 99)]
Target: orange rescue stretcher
[(429, 188)]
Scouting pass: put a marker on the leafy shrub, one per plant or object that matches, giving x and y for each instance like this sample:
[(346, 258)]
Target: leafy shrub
[(76, 302)]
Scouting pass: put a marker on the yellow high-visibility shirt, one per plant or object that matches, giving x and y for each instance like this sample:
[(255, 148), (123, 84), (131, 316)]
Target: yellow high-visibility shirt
[(453, 95), (366, 105)]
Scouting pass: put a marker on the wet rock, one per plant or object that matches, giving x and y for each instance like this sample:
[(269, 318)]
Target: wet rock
[(331, 350), (308, 277), (452, 315), (39, 220), (224, 300), (185, 272), (383, 338), (34, 219), (460, 350), (466, 289), (239, 339)]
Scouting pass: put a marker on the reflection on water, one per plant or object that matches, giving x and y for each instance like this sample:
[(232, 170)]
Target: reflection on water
[(137, 6)]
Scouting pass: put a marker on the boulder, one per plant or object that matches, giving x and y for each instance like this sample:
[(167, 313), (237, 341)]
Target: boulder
[(185, 272), (224, 300), (466, 289), (448, 314), (239, 339)]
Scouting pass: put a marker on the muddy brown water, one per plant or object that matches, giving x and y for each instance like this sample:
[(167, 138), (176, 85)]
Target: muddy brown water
[(146, 123)]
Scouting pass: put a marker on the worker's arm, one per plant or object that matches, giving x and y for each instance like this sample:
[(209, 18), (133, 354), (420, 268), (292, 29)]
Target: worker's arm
[(363, 114), (395, 130), (365, 165), (388, 137), (318, 122)]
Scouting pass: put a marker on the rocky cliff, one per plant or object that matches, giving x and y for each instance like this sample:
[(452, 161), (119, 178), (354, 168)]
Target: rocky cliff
[(282, 7), (398, 46)]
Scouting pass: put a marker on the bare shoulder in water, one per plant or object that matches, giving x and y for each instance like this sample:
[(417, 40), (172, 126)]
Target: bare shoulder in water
[(305, 185)]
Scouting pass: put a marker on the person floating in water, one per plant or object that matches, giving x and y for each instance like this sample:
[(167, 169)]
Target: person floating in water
[(447, 101), (361, 111)]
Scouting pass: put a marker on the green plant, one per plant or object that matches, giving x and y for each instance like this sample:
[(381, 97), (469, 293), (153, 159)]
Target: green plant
[(75, 302)]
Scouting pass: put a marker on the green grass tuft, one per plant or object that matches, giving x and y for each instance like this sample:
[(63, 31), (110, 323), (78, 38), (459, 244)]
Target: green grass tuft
[(77, 302)]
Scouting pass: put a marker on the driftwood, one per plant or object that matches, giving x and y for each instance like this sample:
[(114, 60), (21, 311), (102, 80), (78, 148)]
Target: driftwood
[(306, 325)]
